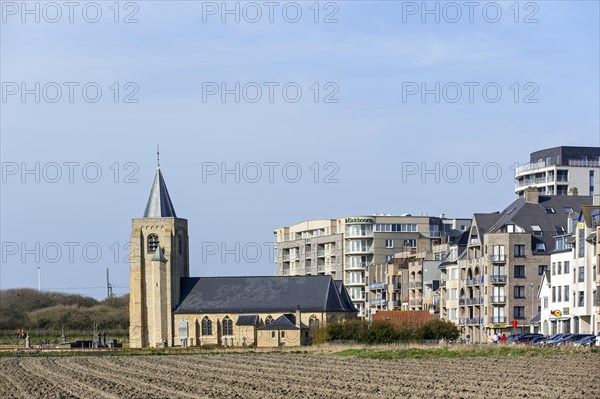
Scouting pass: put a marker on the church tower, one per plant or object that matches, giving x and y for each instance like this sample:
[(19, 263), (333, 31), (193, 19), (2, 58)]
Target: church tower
[(159, 259)]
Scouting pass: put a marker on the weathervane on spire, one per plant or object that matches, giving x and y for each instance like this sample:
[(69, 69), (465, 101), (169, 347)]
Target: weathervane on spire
[(157, 157)]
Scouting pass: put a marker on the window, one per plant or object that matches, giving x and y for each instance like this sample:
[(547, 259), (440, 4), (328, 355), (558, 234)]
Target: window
[(313, 322), (581, 274), (152, 243), (553, 294), (519, 312), (553, 268), (580, 301), (549, 210), (536, 229), (519, 291), (268, 320), (559, 229), (558, 294), (566, 288), (388, 258), (559, 268), (273, 334), (545, 302), (568, 209), (179, 244), (542, 269), (206, 326), (581, 243), (389, 243), (283, 334), (519, 251), (540, 247), (519, 271), (567, 267), (227, 326)]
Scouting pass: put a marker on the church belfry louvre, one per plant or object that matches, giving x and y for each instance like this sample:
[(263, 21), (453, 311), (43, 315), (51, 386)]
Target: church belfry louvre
[(170, 308)]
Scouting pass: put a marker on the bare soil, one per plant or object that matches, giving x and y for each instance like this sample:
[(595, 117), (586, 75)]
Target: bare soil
[(277, 375)]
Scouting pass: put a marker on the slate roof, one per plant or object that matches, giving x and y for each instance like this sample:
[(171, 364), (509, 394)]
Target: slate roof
[(247, 320), (525, 214), (258, 294), (284, 322), (159, 202)]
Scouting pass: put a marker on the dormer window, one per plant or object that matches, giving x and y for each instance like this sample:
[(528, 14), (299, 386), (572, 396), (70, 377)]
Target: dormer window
[(559, 229), (549, 211), (537, 230), (152, 243), (540, 247)]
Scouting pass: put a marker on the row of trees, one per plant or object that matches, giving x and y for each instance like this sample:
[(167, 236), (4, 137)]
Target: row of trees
[(32, 309), (381, 332)]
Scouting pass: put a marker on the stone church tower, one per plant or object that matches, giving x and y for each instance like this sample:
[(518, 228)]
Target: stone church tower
[(159, 259)]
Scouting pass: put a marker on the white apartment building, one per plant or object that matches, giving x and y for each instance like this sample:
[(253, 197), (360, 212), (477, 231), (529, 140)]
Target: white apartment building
[(555, 171), (569, 304), (347, 246)]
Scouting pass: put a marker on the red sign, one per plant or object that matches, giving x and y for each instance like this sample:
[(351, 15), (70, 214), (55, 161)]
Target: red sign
[(514, 324)]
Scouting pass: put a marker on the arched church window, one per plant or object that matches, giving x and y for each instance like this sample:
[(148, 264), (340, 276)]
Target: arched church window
[(152, 243), (227, 326), (268, 320), (313, 322), (180, 244), (206, 326)]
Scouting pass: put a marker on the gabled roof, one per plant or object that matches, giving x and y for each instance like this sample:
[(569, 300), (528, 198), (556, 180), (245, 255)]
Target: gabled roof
[(159, 202), (526, 214), (284, 322), (256, 294)]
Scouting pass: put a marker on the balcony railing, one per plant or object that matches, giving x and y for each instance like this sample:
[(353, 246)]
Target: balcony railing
[(321, 252), (320, 268), (530, 167), (470, 301), (378, 286), (529, 182), (474, 281), (498, 319), (359, 265), (415, 302), (498, 299), (359, 234), (498, 278), (359, 249), (286, 258), (470, 320), (378, 302), (586, 163), (415, 284), (562, 178), (498, 258)]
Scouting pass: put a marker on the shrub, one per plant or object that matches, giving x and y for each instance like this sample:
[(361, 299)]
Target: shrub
[(439, 329)]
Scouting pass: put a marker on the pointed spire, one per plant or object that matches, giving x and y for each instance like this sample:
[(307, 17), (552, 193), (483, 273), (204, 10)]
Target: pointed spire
[(159, 203), (159, 255)]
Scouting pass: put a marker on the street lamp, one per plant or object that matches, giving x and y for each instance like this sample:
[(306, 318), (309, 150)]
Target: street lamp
[(532, 315)]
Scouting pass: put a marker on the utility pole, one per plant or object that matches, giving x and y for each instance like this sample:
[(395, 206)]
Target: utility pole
[(109, 288), (39, 279)]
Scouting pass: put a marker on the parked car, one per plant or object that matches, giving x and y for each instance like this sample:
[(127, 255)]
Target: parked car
[(588, 340), (527, 338), (512, 339), (553, 339), (570, 339), (537, 340)]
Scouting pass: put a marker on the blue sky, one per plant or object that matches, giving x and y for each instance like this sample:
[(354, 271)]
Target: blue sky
[(368, 57)]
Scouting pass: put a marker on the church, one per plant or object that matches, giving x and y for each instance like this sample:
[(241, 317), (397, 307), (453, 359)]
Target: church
[(170, 308)]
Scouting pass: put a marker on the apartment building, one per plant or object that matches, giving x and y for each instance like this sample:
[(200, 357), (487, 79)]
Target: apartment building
[(346, 247), (387, 285), (506, 254), (555, 171)]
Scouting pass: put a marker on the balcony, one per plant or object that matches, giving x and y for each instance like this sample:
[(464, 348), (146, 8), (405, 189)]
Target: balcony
[(378, 286), (470, 320), (498, 319), (498, 299), (585, 163), (530, 167), (498, 278), (531, 182), (286, 258), (359, 250), (321, 253), (498, 258), (415, 302), (562, 179), (358, 234), (415, 284), (355, 282), (470, 301), (321, 269), (359, 265), (474, 281), (378, 302)]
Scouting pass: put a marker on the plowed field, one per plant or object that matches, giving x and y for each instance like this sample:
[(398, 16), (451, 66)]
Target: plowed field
[(278, 375)]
